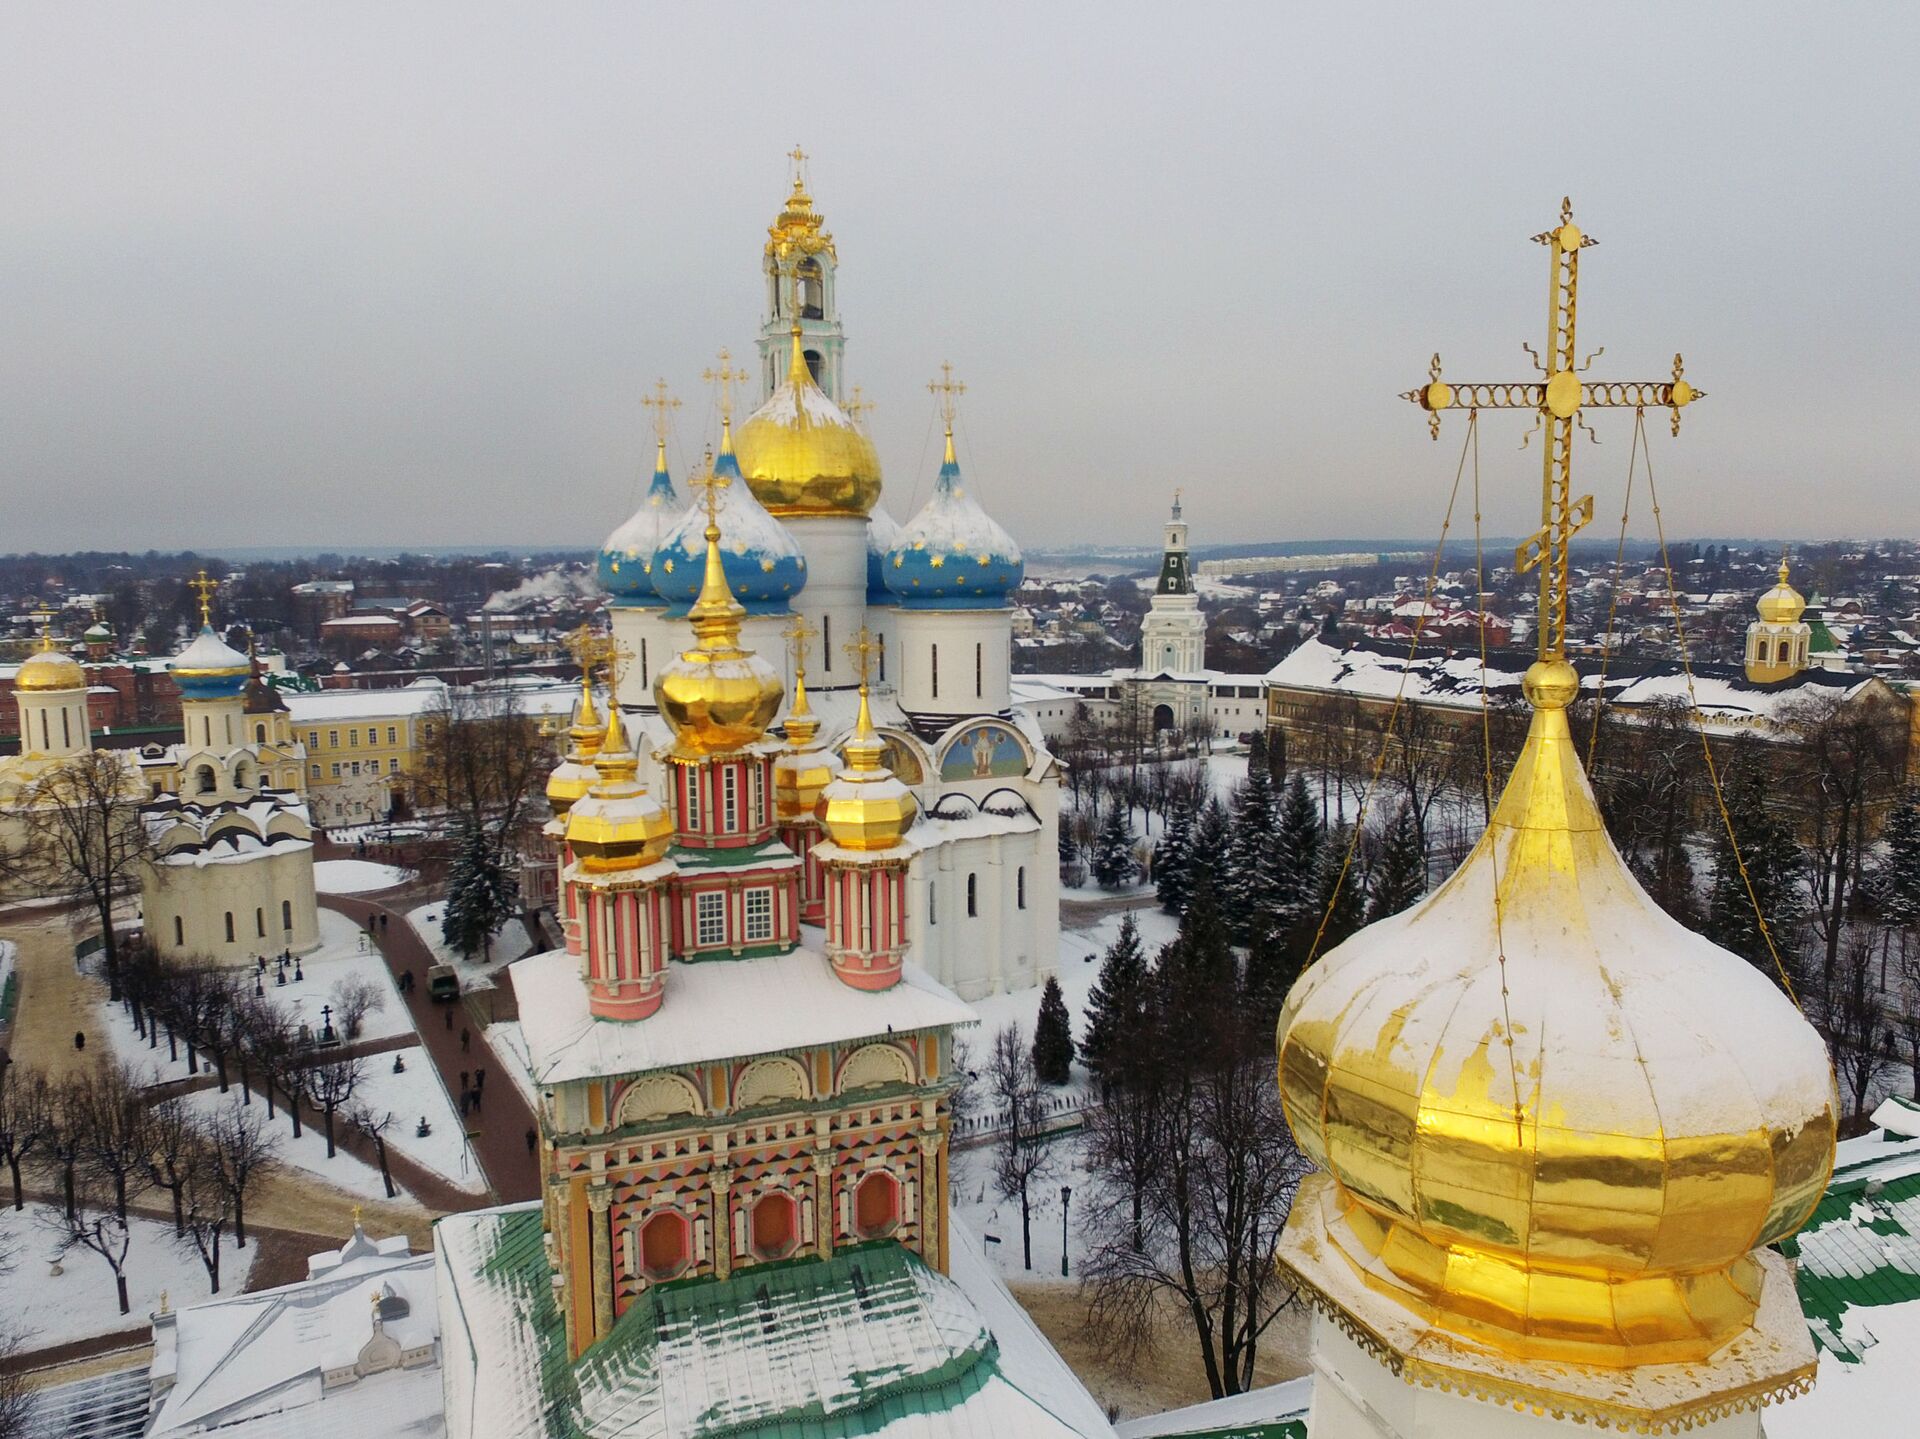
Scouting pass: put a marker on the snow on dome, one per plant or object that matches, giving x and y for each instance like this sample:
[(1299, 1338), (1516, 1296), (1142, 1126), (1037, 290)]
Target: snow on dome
[(953, 554), (210, 668), (883, 536), (626, 559), (764, 566)]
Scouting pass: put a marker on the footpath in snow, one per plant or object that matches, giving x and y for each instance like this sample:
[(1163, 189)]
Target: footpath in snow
[(357, 876)]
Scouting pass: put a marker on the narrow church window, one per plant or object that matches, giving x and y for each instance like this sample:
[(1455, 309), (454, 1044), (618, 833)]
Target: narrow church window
[(644, 681), (934, 668), (179, 932), (730, 799), (979, 668), (690, 779), (229, 926), (1020, 887), (814, 364), (260, 921), (826, 640), (973, 896), (286, 915), (259, 734), (45, 743), (66, 729), (933, 917)]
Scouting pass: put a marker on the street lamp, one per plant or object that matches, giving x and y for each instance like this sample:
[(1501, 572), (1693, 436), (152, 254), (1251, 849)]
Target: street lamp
[(1066, 1193)]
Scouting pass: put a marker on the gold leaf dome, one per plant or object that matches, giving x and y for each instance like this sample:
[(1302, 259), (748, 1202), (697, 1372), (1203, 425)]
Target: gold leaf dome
[(1556, 1121), (803, 769), (716, 696), (574, 776), (801, 453), (867, 808), (1783, 604), (47, 670), (617, 825)]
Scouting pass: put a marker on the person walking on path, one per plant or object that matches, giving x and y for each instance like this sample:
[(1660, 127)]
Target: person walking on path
[(533, 1139), (463, 1079), (479, 1079), (465, 1037), (79, 1039)]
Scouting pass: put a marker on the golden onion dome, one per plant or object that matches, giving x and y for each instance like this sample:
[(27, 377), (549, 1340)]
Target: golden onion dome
[(803, 768), (1783, 604), (47, 670), (617, 824), (716, 695), (1556, 1122), (801, 453), (867, 808)]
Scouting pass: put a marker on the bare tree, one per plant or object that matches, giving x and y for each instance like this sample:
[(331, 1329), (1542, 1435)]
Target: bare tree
[(66, 1140), (208, 1209), (354, 999), (1907, 1017), (1649, 802), (330, 1086), (362, 1118), (26, 1121), (482, 758), (173, 1136), (16, 1398), (86, 842), (239, 1147), (1844, 1005), (1021, 1158), (93, 1225), (111, 1116)]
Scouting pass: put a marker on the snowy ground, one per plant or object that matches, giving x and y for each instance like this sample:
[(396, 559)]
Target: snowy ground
[(414, 1093), (510, 944), (345, 953), (357, 876), (82, 1301), (992, 1217)]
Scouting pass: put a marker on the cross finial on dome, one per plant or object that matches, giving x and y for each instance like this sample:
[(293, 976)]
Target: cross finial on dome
[(861, 649), (723, 379), (662, 404), (45, 614), (206, 589), (799, 158), (949, 390), (710, 482), (856, 407), (800, 635)]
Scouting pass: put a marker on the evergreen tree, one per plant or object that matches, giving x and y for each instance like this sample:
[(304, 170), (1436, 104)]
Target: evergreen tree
[(1249, 896), (1116, 1003), (1400, 876), (1773, 866), (481, 894), (1194, 971), (1173, 859), (1053, 1037), (1897, 886), (1113, 862), (1344, 914), (1207, 850), (1257, 753), (1295, 856)]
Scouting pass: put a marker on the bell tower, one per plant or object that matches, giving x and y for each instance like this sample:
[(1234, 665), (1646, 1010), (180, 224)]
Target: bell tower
[(1173, 637), (799, 264), (1777, 642)]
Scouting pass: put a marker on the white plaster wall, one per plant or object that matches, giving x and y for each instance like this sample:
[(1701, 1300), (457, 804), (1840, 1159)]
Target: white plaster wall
[(53, 723), (834, 600), (956, 633), (201, 897)]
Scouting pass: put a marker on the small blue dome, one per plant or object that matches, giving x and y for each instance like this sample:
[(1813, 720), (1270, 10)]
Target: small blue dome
[(626, 559), (210, 668), (883, 536), (953, 555), (764, 566)]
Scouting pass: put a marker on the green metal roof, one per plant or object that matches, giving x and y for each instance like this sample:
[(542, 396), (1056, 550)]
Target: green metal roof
[(1861, 1248)]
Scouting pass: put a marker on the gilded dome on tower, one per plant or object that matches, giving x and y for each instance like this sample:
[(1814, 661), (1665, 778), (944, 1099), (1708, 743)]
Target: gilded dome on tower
[(717, 696), (617, 824), (867, 808), (574, 776), (803, 455), (47, 670), (804, 767), (1557, 1123), (1783, 604)]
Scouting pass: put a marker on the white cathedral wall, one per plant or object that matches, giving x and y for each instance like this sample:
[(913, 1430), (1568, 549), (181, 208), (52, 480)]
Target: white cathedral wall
[(54, 723), (200, 897), (654, 640), (953, 662), (1000, 946), (833, 601)]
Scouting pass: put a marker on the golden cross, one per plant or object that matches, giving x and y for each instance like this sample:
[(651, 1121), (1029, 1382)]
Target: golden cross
[(858, 406), (46, 615), (861, 649), (582, 644), (613, 656), (800, 635), (799, 158), (1557, 400), (710, 485), (948, 389), (663, 405), (207, 590), (724, 379)]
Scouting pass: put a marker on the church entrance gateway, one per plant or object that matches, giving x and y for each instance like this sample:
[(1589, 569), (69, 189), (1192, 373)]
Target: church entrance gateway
[(1162, 718)]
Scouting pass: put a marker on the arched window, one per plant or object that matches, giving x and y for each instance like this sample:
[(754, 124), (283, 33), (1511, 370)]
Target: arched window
[(876, 1205), (260, 734), (179, 933), (229, 926), (203, 780), (286, 915), (665, 1244), (973, 895), (1020, 887), (812, 297), (774, 1227), (933, 916), (260, 922), (814, 365)]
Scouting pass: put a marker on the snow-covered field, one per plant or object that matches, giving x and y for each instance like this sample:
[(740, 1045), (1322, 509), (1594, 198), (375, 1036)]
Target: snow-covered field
[(345, 953), (356, 876), (510, 944), (81, 1300), (994, 1218)]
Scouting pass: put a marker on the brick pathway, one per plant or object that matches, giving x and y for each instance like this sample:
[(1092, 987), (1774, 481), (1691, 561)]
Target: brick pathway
[(497, 1133)]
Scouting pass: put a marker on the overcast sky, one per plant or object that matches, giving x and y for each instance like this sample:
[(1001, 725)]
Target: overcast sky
[(399, 273)]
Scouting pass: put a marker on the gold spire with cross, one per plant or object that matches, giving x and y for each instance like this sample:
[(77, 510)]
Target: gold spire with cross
[(799, 158), (662, 405), (858, 407), (723, 378), (1558, 399), (46, 614), (802, 723), (948, 390), (206, 589), (707, 484)]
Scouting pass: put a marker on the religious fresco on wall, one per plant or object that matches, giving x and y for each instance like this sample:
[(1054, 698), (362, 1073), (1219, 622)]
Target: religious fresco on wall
[(900, 759), (985, 751)]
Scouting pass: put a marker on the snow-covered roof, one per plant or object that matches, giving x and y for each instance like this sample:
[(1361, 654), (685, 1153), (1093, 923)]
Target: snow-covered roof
[(868, 1342), (715, 1008), (302, 1361), (1276, 1411), (420, 697)]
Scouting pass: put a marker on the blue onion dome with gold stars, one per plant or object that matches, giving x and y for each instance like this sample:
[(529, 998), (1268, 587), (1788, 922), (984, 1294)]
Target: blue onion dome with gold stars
[(883, 537), (803, 454), (953, 555), (764, 566), (210, 668), (626, 559)]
